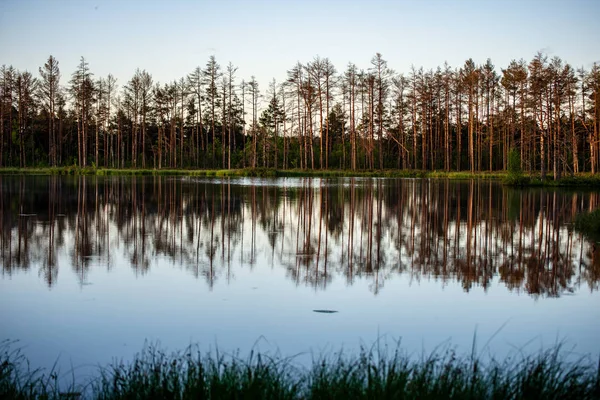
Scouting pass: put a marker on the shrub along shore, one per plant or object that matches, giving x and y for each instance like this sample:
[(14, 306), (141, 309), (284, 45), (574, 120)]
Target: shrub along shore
[(589, 223), (581, 179), (372, 373)]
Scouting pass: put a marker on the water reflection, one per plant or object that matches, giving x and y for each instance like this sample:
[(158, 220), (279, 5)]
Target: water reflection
[(318, 230)]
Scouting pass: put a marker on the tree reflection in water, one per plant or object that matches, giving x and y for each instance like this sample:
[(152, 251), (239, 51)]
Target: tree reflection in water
[(476, 233)]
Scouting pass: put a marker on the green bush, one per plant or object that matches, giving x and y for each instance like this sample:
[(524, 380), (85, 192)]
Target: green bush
[(589, 223), (515, 175), (514, 163)]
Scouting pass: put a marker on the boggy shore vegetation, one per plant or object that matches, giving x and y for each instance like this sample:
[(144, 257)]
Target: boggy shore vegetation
[(477, 233), (371, 373), (248, 172), (508, 178), (465, 118), (265, 172), (589, 223)]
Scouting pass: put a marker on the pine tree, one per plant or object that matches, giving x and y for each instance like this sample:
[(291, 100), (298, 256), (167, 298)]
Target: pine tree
[(25, 85), (48, 93), (82, 90), (211, 75)]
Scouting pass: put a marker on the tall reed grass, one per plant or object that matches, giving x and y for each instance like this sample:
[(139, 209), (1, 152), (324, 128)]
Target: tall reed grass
[(377, 372)]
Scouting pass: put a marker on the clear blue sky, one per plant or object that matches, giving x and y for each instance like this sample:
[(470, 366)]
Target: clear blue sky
[(266, 38)]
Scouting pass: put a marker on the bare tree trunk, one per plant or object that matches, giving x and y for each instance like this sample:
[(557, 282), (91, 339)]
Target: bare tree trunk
[(371, 145), (573, 136), (223, 124), (424, 143), (491, 130), (244, 124), (4, 90), (22, 117), (285, 161), (182, 126), (557, 137), (343, 166), (471, 122), (84, 131), (161, 132), (414, 119), (478, 132), (311, 138), (458, 129), (79, 141), (327, 94), (97, 143), (317, 69), (353, 122), (542, 142), (594, 138), (447, 127)]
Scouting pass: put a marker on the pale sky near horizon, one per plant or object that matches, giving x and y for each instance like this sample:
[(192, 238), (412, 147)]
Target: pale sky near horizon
[(265, 38)]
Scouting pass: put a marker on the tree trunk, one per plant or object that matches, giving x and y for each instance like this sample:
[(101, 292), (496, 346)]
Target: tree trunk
[(458, 129), (573, 136), (447, 129), (182, 127), (491, 130), (97, 143), (542, 142), (594, 137), (352, 130), (471, 149)]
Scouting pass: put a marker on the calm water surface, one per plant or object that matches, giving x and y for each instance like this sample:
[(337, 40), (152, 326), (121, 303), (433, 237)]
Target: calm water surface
[(92, 267)]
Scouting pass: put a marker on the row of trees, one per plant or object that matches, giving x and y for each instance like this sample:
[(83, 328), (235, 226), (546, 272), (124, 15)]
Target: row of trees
[(465, 118)]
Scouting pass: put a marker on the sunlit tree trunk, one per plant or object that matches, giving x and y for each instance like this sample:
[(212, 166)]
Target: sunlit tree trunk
[(329, 72)]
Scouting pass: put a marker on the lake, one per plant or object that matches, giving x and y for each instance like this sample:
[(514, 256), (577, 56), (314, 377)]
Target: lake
[(93, 267)]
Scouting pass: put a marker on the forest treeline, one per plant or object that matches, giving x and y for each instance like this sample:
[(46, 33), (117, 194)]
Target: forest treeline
[(466, 118)]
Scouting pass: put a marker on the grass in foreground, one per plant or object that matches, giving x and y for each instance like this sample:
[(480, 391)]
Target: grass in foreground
[(371, 374)]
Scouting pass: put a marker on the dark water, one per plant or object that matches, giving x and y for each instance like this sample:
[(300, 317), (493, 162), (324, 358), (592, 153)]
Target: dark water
[(92, 267)]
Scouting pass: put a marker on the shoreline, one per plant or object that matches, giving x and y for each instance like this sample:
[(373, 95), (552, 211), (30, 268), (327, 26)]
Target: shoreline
[(534, 180), (251, 172)]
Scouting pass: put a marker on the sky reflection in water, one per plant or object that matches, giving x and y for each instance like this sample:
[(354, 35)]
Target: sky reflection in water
[(92, 266)]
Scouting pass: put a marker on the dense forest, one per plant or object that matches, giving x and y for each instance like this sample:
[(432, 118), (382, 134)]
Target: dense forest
[(464, 118)]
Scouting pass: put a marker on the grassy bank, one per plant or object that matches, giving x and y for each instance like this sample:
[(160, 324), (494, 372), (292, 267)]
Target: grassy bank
[(135, 172), (578, 180), (249, 172), (371, 374), (519, 180)]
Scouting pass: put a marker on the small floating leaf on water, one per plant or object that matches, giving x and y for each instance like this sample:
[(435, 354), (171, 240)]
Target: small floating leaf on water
[(326, 311), (70, 395)]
